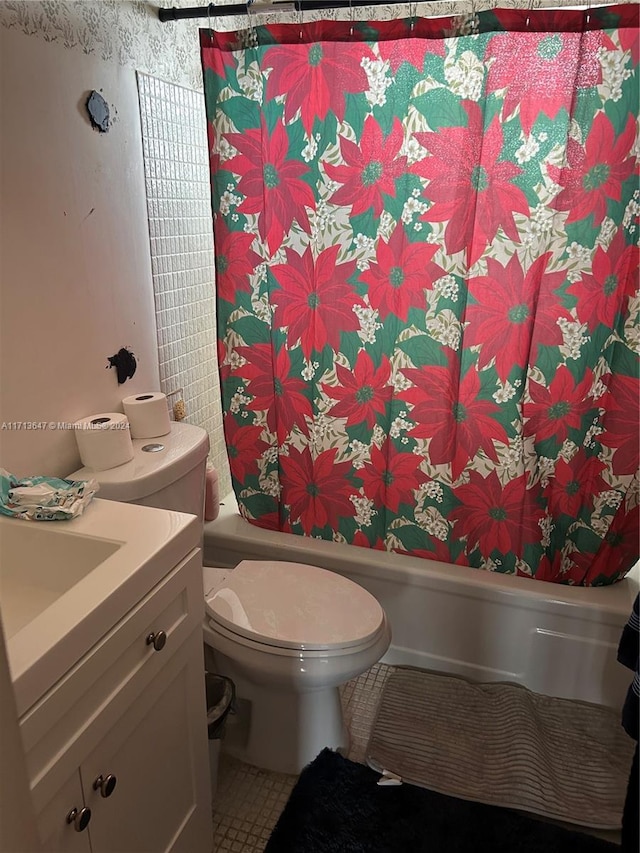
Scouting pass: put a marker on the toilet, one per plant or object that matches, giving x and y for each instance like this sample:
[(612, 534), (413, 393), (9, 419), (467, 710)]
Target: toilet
[(287, 634)]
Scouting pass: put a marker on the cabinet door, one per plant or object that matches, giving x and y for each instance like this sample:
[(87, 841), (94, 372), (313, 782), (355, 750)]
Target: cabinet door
[(158, 753), (56, 835)]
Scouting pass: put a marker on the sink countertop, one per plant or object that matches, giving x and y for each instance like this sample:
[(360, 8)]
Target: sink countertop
[(148, 544)]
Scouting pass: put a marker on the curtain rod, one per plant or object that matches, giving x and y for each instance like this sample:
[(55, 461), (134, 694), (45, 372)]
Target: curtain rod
[(214, 11), (174, 13)]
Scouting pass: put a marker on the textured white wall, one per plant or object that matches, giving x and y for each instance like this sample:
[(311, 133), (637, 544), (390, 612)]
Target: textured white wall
[(75, 272), (75, 266)]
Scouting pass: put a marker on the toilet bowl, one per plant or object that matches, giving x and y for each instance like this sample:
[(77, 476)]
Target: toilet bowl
[(288, 634)]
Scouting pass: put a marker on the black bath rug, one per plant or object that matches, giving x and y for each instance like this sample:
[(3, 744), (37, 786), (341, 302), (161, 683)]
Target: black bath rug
[(337, 807)]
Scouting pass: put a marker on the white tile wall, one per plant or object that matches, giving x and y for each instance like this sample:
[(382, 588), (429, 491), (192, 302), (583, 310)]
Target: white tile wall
[(175, 151)]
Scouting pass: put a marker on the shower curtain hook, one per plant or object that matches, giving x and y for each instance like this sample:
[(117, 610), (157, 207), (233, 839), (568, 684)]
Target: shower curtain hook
[(301, 17), (209, 17), (529, 9), (351, 17), (588, 18), (250, 22), (413, 13)]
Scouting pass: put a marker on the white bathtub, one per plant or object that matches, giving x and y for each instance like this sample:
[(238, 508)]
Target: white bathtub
[(554, 639)]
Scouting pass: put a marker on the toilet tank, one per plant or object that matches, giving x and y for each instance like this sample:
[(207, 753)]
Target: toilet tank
[(166, 472)]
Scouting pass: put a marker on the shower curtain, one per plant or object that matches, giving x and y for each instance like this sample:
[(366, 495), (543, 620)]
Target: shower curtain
[(427, 283)]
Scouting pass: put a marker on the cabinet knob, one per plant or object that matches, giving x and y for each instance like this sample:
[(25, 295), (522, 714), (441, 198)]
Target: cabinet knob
[(105, 784), (157, 640), (79, 818)]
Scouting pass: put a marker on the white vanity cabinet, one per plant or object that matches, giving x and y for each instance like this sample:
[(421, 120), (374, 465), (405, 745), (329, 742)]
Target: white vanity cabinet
[(123, 734), (54, 832)]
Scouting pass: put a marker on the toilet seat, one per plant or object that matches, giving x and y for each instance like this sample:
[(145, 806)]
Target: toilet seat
[(213, 629), (294, 607)]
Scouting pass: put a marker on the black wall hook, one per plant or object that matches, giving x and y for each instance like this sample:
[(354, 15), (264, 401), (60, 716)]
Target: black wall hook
[(125, 364)]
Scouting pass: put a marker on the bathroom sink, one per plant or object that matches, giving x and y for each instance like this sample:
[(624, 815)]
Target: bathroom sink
[(65, 584), (39, 564)]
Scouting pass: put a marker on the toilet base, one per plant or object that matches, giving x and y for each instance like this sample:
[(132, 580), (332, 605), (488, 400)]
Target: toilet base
[(280, 730)]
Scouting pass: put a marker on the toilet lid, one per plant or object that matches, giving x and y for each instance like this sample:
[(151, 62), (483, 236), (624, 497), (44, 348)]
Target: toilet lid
[(293, 605)]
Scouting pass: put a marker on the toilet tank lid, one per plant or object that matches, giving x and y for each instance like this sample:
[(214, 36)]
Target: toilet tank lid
[(183, 448)]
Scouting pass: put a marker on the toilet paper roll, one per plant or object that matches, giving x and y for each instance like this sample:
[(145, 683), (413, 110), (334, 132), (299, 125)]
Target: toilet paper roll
[(104, 440), (148, 415)]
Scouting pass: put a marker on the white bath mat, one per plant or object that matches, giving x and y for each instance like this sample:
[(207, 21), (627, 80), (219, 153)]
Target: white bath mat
[(503, 745)]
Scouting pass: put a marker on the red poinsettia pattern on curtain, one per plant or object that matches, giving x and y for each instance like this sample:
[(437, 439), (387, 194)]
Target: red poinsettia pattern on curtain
[(426, 238)]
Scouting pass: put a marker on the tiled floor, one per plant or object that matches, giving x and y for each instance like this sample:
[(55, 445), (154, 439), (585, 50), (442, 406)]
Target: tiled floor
[(249, 801)]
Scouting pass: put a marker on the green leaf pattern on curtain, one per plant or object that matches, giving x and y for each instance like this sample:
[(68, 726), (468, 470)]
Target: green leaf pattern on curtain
[(427, 281)]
